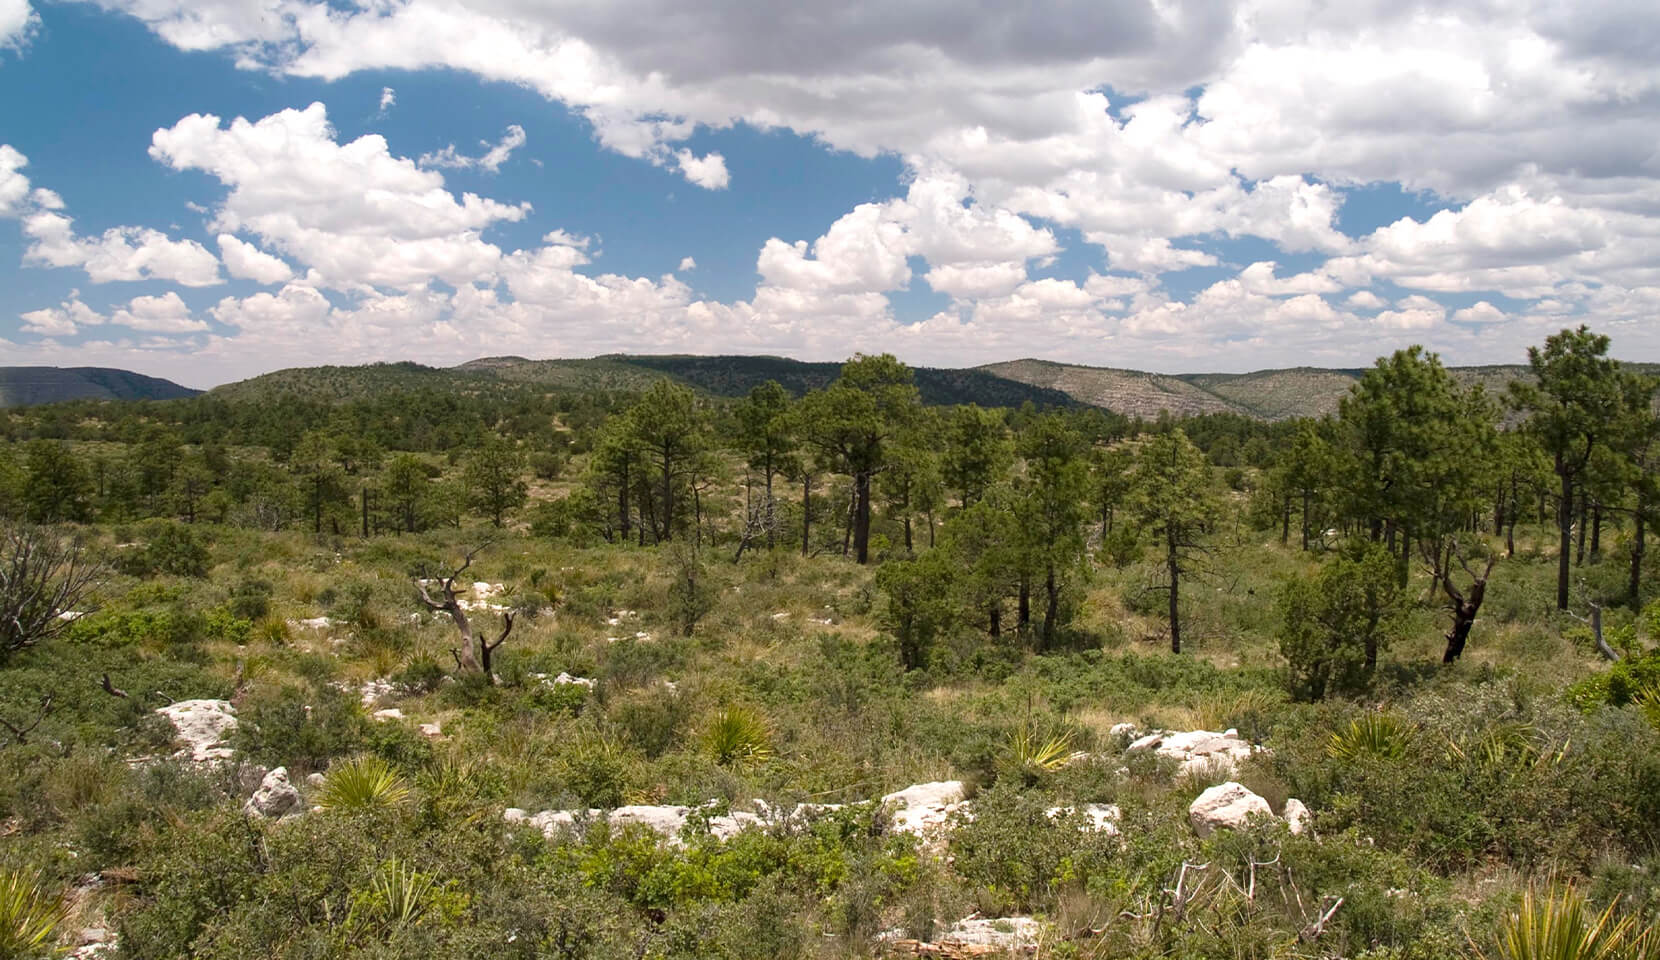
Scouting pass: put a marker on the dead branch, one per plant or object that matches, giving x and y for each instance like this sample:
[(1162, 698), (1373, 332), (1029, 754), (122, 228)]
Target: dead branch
[(21, 734), (112, 689), (1313, 931)]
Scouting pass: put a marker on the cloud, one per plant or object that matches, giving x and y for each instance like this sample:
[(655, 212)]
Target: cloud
[(686, 263), (64, 320), (16, 22), (353, 213), (490, 161), (166, 313), (707, 171), (245, 260), (119, 253), (388, 98), (14, 185)]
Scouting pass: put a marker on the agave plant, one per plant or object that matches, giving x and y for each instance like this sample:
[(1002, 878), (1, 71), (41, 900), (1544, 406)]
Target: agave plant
[(1032, 751), (1647, 701), (1557, 924), (29, 916), (403, 890), (738, 735), (1372, 734), (363, 783)]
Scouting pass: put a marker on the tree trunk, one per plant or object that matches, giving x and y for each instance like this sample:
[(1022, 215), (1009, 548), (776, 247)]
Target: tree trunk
[(1305, 519), (909, 548), (1638, 547), (994, 619), (1579, 555), (1285, 520), (861, 518), (622, 504), (1023, 605), (365, 497), (1174, 567), (931, 528), (771, 514), (806, 512), (668, 499), (1051, 610), (1565, 523), (1596, 530)]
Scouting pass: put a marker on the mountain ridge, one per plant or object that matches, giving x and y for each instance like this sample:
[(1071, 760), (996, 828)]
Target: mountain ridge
[(26, 386)]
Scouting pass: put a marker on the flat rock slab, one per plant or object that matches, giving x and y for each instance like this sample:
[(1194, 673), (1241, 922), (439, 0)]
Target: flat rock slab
[(202, 726), (1226, 806)]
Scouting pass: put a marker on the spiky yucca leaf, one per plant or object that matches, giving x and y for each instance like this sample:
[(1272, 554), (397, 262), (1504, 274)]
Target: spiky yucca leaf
[(1557, 924), (1647, 701), (1372, 734), (29, 916), (738, 735), (363, 783), (1031, 750), (404, 891)]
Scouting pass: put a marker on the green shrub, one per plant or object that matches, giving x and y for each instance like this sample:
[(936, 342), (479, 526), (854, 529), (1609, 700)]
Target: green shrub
[(362, 783), (737, 736)]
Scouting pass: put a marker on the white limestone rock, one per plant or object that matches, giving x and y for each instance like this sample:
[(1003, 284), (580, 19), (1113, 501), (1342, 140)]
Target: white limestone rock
[(1227, 805), (1198, 751), (1296, 815), (275, 798), (1098, 817), (391, 713), (203, 727), (925, 807)]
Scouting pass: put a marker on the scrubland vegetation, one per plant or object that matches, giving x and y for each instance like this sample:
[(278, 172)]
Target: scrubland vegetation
[(1433, 612)]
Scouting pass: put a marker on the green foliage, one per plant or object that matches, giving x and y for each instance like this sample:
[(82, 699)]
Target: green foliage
[(1373, 734), (169, 548), (29, 916), (362, 783), (1557, 924), (1336, 622), (737, 736), (691, 595)]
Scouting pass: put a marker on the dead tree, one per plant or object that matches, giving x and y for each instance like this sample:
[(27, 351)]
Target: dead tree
[(474, 652), (44, 576), (1594, 621), (21, 734), (1465, 604)]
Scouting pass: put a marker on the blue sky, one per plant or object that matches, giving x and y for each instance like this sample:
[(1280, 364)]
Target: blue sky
[(209, 190)]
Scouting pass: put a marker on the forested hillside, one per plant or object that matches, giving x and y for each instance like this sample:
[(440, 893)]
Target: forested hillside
[(24, 386), (622, 658)]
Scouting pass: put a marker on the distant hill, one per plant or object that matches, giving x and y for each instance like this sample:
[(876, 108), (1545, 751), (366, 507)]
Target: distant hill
[(27, 386), (1264, 394), (716, 376)]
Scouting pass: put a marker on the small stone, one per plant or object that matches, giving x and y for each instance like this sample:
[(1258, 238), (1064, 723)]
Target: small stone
[(392, 713), (1296, 816), (431, 730)]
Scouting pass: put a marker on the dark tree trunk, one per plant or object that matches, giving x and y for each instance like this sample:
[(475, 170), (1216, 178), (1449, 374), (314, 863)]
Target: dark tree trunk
[(1565, 523), (1174, 568), (1305, 519), (1464, 610), (1579, 553), (1638, 548), (622, 505), (365, 497), (909, 547), (994, 619), (806, 513), (771, 513), (1285, 520), (1023, 605), (930, 528), (1051, 609), (1596, 530), (668, 499), (861, 518)]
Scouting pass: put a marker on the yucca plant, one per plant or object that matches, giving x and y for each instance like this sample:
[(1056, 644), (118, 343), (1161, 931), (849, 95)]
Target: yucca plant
[(403, 890), (736, 736), (1557, 924), (364, 783), (1031, 750), (29, 916), (1647, 702), (1372, 734)]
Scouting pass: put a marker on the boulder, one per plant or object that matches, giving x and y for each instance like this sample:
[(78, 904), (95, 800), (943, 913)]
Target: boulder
[(275, 798), (202, 726), (1296, 815), (661, 819), (1198, 751), (924, 807), (431, 731), (1227, 805), (391, 713)]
